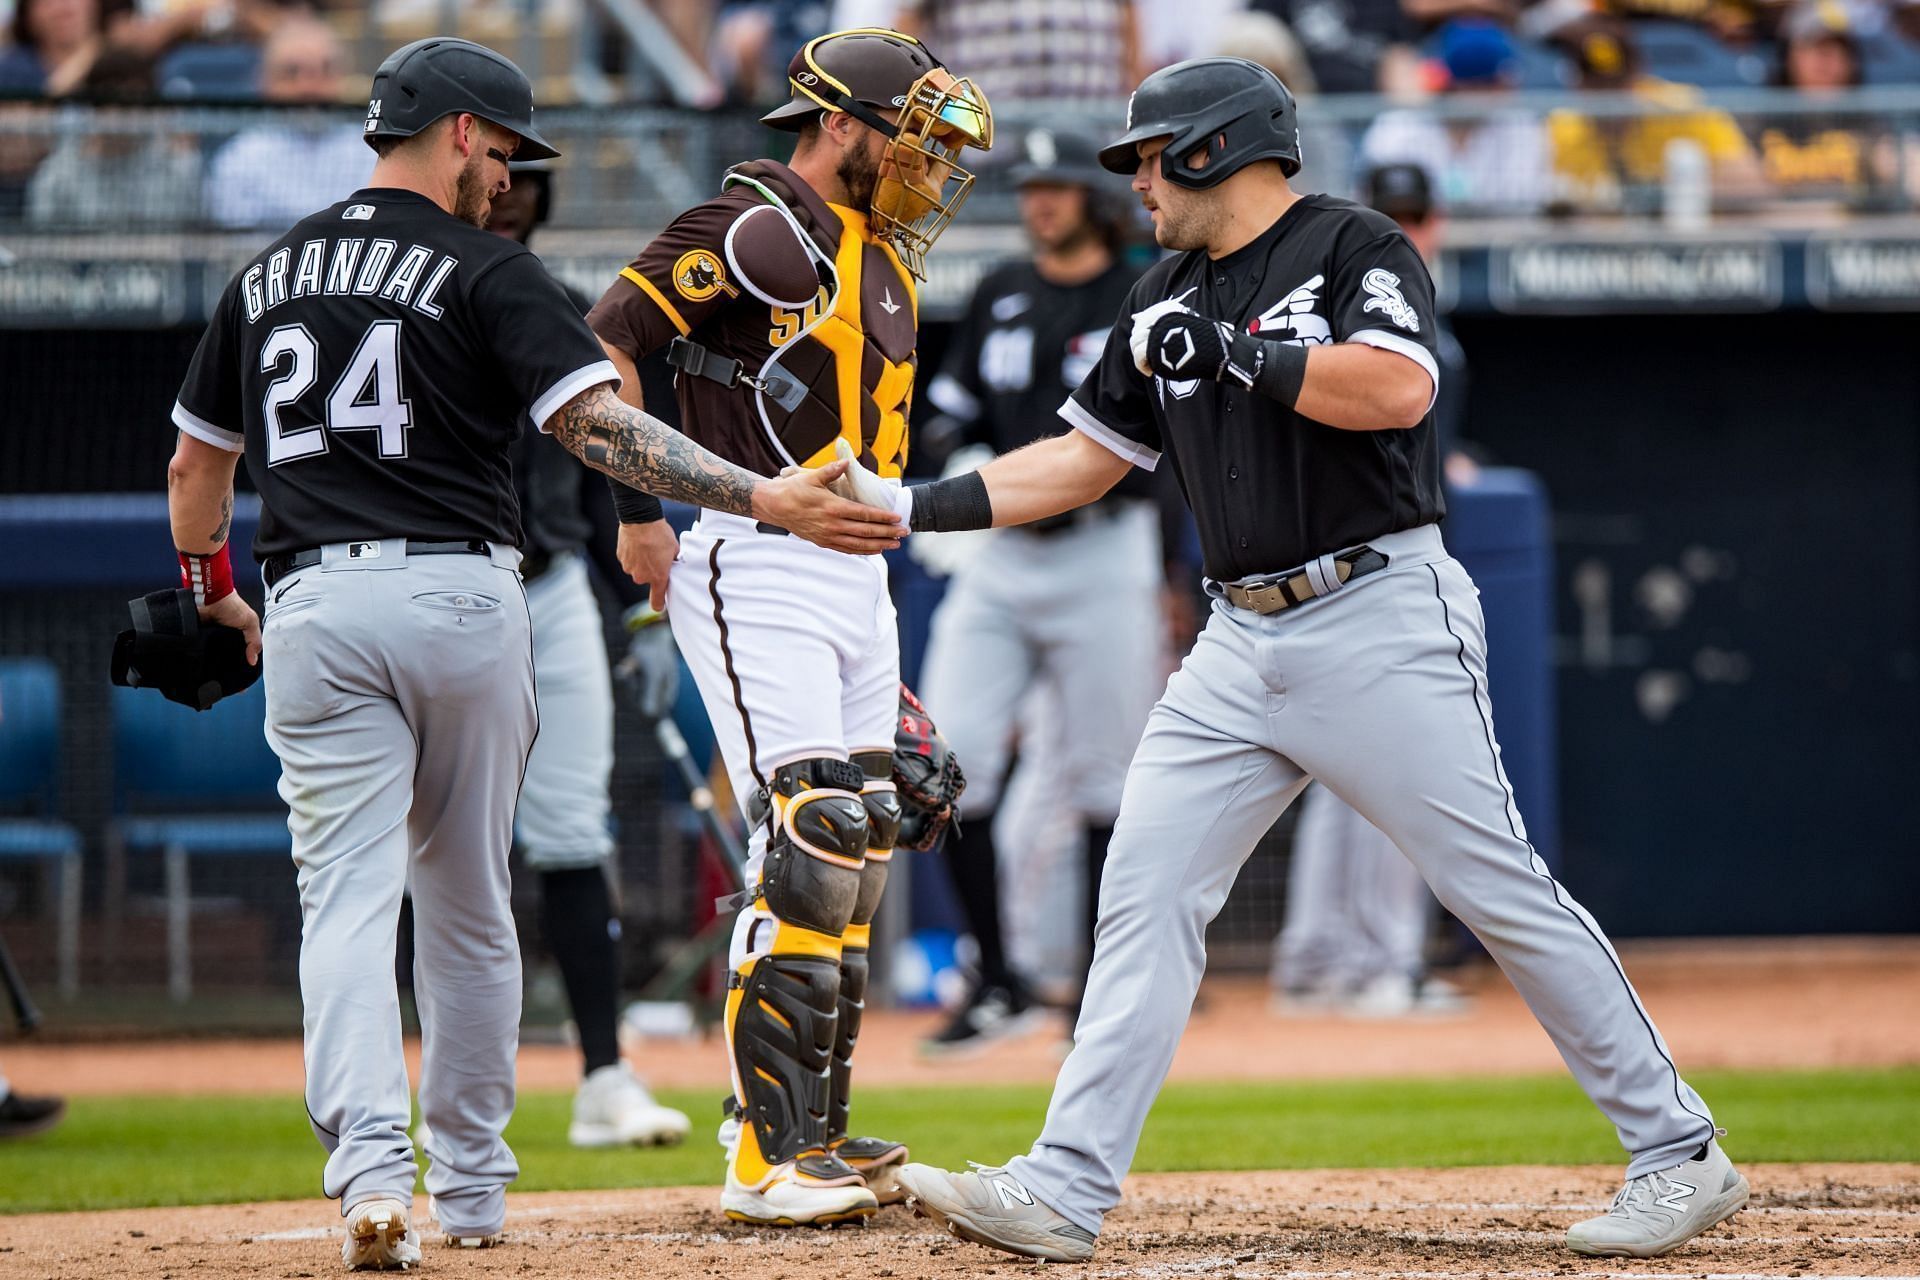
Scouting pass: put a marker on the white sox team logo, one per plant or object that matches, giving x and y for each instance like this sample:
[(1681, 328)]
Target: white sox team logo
[(1294, 315), (1384, 289)]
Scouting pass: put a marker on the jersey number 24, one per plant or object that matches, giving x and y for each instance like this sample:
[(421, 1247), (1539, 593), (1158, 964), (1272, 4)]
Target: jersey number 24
[(366, 397)]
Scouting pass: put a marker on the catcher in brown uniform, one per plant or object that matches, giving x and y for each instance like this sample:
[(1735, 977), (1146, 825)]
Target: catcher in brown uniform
[(787, 304)]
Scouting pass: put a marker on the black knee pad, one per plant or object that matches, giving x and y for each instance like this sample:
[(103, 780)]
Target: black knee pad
[(812, 873), (785, 1029)]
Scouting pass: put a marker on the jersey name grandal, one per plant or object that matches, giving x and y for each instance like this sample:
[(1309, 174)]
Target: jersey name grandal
[(349, 266), (375, 364)]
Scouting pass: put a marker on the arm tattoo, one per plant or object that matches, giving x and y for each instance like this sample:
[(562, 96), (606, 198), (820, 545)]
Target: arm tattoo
[(612, 436), (226, 520)]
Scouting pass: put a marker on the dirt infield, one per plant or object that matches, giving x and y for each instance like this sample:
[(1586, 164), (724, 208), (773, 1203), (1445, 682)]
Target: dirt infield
[(1826, 1220), (1720, 1004)]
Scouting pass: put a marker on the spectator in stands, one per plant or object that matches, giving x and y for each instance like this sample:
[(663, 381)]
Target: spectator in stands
[(1617, 163), (1325, 155), (123, 173), (54, 42), (1019, 50), (1353, 45), (1496, 162), (1732, 20), (753, 40), (1850, 156), (272, 175)]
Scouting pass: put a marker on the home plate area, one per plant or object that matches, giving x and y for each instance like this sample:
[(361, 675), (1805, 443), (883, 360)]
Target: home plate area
[(1804, 1220)]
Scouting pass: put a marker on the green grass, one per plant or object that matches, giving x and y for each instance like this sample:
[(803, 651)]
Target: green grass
[(130, 1151)]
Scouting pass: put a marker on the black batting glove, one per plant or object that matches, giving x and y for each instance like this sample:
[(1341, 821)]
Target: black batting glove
[(1182, 346)]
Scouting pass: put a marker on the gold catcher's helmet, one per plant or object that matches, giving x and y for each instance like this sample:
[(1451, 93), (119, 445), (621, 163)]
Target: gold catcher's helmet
[(868, 70)]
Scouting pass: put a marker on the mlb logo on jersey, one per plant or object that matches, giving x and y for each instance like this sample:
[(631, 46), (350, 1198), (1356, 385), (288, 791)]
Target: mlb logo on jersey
[(357, 213)]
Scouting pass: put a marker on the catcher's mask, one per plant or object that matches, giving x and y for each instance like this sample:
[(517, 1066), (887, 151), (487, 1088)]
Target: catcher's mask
[(922, 184)]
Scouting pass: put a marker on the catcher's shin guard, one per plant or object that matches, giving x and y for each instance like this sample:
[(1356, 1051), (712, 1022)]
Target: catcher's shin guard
[(875, 1158), (783, 1000)]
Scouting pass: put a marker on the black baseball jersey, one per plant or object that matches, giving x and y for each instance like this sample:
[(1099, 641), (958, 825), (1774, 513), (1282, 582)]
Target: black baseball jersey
[(375, 364), (1271, 489)]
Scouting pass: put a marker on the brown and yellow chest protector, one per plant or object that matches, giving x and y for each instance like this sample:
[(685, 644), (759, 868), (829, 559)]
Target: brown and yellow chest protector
[(843, 364)]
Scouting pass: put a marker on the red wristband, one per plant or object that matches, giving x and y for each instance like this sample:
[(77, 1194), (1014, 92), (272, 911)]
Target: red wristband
[(209, 577)]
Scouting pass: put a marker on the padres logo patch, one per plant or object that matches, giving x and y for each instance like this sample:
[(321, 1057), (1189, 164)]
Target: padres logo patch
[(698, 275)]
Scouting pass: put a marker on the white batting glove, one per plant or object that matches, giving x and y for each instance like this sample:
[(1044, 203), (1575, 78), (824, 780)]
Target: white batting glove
[(862, 486), (1143, 325)]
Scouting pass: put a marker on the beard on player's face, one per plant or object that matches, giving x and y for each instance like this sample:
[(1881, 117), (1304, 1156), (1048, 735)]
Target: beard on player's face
[(1188, 219), (472, 199), (859, 169)]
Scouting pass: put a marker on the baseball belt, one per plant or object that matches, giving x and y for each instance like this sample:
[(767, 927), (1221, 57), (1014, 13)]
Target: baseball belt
[(274, 568), (1290, 589)]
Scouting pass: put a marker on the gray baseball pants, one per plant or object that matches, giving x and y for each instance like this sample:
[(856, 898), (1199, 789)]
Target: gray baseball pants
[(1379, 690), (400, 702)]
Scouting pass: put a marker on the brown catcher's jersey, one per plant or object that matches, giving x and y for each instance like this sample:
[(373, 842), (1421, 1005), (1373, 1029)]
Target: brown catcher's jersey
[(798, 291)]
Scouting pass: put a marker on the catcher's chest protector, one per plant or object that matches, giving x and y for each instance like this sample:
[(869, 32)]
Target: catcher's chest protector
[(846, 359)]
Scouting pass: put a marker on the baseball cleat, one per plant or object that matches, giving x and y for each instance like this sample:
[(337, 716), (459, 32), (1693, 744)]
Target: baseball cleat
[(990, 1207), (487, 1241), (1656, 1213), (878, 1162), (468, 1240), (614, 1109), (990, 1015), (380, 1237), (812, 1191)]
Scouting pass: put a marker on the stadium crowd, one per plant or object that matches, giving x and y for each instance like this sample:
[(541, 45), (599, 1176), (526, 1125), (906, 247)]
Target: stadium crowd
[(1450, 70)]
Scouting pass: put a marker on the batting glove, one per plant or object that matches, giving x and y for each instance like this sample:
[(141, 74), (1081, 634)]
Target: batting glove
[(1186, 346), (651, 669), (1143, 325)]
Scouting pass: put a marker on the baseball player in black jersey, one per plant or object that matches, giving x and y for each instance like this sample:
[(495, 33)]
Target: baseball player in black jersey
[(1282, 358), (374, 364), (1012, 616)]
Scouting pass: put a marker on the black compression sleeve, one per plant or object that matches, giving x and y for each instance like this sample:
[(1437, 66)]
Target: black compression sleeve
[(634, 506), (959, 502), (1274, 369)]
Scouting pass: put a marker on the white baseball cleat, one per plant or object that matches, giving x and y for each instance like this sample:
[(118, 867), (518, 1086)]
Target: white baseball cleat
[(813, 1191), (472, 1240), (614, 1109), (380, 1237), (990, 1207), (1658, 1212)]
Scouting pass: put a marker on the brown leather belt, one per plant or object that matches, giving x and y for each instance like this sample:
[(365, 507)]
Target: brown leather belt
[(1271, 595)]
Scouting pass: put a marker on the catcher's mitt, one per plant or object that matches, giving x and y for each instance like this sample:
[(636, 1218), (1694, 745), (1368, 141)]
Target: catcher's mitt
[(926, 774)]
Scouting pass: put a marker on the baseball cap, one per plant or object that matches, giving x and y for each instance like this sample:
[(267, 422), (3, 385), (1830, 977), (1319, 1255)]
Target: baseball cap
[(1400, 191), (1476, 51), (1822, 20)]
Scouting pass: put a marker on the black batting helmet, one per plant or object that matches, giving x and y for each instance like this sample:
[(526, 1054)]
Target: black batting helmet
[(1237, 110), (431, 79)]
